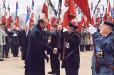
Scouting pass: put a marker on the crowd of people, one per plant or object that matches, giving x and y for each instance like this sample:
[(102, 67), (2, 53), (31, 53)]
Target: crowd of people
[(36, 43)]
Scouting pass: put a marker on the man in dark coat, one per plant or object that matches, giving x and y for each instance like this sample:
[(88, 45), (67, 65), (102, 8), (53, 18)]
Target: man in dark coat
[(22, 42), (6, 45), (55, 43), (103, 56), (15, 42), (72, 53), (34, 63)]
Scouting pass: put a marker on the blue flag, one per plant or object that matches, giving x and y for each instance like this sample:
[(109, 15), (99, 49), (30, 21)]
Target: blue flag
[(17, 8), (28, 14)]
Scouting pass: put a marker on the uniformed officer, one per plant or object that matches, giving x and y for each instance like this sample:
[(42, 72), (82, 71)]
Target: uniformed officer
[(103, 56), (72, 54)]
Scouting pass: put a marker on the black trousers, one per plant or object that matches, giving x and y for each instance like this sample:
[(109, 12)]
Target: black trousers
[(15, 50), (71, 71), (5, 51), (55, 63)]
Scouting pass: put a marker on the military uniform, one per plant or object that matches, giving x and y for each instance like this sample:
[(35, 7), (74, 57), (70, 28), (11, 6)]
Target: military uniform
[(71, 56), (22, 42), (103, 58)]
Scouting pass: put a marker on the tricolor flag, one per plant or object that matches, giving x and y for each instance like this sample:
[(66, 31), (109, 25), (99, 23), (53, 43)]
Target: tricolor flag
[(16, 17)]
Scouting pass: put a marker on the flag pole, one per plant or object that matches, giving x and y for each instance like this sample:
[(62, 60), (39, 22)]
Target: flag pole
[(96, 6)]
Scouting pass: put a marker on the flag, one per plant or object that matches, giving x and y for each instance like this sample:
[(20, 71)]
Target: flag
[(17, 22), (31, 20), (4, 19), (79, 24), (112, 12), (92, 20), (32, 4), (69, 14), (45, 10), (107, 14), (66, 2), (84, 6), (108, 7), (8, 7), (4, 5), (17, 18), (28, 14), (17, 8), (9, 21), (91, 6), (98, 19)]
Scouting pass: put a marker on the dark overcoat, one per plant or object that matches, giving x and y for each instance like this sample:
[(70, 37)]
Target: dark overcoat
[(34, 63)]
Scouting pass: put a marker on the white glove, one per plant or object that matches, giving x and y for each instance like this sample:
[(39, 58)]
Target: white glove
[(67, 45), (55, 51), (92, 29), (14, 34), (64, 30)]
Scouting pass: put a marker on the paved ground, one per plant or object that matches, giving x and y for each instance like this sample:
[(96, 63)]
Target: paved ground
[(14, 66)]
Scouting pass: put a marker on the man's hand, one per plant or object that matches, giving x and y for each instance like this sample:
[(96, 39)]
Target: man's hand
[(67, 45), (55, 51)]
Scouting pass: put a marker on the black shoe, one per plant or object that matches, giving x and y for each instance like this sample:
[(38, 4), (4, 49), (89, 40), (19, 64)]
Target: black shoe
[(51, 72), (1, 59)]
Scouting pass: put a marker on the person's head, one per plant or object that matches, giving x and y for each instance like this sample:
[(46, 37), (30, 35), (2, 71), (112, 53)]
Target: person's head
[(72, 27), (26, 28), (106, 27), (42, 23), (59, 27)]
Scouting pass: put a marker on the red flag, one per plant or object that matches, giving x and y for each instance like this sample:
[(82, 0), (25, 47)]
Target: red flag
[(45, 10), (17, 22), (79, 25), (84, 6), (69, 14), (31, 21), (66, 2), (107, 12), (4, 19), (98, 19), (92, 20), (9, 20)]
